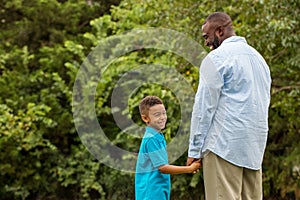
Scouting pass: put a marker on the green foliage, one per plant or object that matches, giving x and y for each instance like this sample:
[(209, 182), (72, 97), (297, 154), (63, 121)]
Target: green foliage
[(25, 153), (44, 45), (41, 153)]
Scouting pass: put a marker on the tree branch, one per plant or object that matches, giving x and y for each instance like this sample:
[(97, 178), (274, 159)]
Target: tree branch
[(288, 87)]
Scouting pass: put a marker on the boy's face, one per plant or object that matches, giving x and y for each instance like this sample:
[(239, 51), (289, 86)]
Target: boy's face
[(157, 117)]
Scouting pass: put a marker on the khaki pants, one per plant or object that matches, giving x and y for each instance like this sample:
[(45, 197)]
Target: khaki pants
[(226, 181)]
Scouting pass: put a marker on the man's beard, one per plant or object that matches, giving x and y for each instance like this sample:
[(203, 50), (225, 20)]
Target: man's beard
[(216, 42)]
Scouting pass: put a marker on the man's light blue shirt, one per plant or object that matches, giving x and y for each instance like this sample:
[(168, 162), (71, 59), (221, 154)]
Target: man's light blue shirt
[(230, 113)]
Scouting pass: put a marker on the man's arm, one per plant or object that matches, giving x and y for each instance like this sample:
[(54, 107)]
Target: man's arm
[(206, 102)]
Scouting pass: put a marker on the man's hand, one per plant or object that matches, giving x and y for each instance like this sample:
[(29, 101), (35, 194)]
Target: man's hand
[(191, 160)]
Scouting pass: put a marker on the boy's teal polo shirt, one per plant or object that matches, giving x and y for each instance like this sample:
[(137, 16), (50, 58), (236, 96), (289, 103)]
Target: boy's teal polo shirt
[(150, 183)]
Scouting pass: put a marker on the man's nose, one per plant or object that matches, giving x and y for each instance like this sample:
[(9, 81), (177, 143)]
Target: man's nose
[(206, 43)]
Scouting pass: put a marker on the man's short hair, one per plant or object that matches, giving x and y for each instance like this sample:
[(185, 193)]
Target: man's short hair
[(219, 18)]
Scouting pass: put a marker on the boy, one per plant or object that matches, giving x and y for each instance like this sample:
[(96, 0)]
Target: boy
[(152, 179)]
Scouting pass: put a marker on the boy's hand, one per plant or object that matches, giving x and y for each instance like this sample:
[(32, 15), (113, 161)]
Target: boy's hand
[(196, 165)]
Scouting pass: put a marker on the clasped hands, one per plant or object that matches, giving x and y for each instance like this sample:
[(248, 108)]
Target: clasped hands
[(196, 163)]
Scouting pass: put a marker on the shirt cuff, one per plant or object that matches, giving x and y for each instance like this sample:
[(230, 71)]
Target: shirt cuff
[(194, 153)]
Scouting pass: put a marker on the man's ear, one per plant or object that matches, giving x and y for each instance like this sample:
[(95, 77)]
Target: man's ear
[(220, 32), (145, 118)]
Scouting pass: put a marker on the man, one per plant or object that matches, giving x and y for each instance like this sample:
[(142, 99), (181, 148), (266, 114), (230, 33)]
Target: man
[(229, 123)]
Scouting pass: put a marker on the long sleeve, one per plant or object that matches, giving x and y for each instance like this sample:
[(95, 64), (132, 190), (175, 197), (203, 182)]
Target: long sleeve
[(205, 105)]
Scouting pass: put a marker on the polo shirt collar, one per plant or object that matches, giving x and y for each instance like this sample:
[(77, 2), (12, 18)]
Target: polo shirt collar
[(150, 132)]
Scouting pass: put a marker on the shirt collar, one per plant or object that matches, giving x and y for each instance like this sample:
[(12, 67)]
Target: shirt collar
[(234, 39), (150, 132)]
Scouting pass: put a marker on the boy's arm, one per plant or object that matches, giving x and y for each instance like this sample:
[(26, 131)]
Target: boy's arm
[(173, 169)]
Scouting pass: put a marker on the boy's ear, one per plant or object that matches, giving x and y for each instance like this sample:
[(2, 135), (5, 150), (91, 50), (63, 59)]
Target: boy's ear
[(145, 118)]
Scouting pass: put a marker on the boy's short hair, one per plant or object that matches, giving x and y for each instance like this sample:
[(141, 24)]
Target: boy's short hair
[(148, 102)]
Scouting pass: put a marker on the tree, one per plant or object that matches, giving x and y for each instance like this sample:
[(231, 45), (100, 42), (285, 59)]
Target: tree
[(41, 152), (46, 43), (278, 42)]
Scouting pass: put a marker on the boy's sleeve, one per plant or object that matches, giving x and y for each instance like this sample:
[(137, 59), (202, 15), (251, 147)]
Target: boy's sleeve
[(157, 152)]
